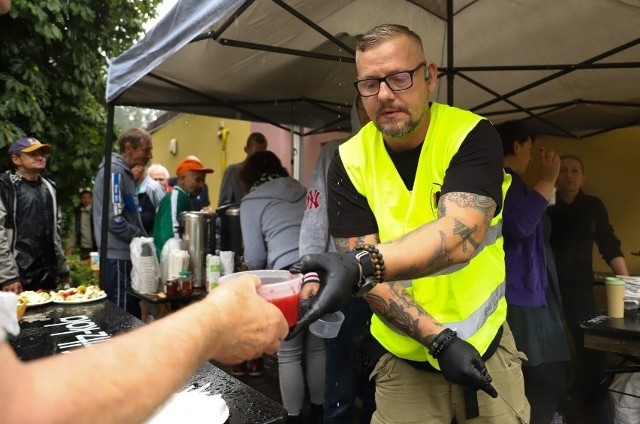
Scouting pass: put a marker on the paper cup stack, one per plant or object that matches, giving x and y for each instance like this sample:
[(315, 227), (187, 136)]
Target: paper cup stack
[(178, 261)]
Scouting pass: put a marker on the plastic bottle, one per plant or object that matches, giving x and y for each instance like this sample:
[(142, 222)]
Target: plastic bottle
[(185, 283), (213, 271)]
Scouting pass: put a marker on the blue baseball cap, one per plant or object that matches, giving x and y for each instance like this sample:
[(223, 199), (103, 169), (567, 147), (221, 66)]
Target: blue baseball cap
[(28, 144)]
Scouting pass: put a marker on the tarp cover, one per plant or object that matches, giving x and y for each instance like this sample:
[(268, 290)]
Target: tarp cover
[(570, 66)]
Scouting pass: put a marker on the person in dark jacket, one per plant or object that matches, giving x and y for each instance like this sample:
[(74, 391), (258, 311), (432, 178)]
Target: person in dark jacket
[(31, 255), (82, 239), (578, 221)]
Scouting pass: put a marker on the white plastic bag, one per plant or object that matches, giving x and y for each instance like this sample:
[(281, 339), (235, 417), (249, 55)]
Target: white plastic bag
[(227, 264), (145, 272), (624, 407)]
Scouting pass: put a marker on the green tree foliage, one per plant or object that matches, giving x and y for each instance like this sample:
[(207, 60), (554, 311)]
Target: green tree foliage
[(53, 65)]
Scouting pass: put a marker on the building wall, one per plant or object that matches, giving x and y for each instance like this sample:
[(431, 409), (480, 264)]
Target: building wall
[(198, 135)]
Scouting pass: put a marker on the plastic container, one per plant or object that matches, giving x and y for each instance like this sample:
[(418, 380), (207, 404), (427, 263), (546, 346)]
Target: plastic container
[(278, 287), (328, 326), (213, 271), (615, 289), (172, 288), (186, 282), (95, 261)]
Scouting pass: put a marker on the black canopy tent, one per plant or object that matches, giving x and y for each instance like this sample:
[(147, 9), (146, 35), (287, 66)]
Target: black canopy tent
[(569, 68)]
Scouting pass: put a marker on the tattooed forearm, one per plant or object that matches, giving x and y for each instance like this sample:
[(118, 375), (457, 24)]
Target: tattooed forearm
[(438, 259), (348, 244), (484, 204), (401, 310), (466, 233)]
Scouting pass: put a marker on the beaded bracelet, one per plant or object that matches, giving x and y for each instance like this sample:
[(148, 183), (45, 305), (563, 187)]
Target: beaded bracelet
[(441, 342), (376, 259)]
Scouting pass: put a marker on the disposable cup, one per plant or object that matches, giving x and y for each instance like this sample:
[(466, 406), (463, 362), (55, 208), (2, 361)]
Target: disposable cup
[(328, 326), (278, 287), (614, 288)]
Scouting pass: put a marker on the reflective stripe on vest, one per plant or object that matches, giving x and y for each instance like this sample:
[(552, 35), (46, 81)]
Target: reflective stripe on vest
[(466, 297)]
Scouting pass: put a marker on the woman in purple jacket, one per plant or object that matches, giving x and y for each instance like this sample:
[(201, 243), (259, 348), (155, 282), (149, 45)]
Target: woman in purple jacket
[(534, 305)]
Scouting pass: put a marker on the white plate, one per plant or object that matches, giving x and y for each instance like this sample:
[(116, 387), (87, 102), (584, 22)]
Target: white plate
[(193, 408), (73, 302), (31, 305)]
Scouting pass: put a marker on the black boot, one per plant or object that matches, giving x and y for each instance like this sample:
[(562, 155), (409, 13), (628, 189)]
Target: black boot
[(316, 414)]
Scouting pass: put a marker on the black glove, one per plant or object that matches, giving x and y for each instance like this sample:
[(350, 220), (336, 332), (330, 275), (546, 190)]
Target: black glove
[(339, 275), (461, 363)]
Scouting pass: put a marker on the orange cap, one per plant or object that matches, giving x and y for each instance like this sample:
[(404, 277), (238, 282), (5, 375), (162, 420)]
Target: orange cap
[(191, 164)]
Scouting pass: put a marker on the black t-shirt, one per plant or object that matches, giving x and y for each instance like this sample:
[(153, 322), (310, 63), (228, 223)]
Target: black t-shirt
[(475, 168)]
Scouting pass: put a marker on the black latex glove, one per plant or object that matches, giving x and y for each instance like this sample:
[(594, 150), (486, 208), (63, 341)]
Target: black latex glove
[(339, 275), (461, 364)]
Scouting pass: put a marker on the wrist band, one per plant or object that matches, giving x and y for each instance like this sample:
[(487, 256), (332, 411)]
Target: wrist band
[(310, 277), (441, 342), (372, 264)]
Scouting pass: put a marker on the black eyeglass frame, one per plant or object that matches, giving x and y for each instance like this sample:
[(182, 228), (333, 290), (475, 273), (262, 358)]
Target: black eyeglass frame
[(384, 79)]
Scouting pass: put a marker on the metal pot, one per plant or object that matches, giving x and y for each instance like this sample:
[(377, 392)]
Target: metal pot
[(230, 231), (197, 230)]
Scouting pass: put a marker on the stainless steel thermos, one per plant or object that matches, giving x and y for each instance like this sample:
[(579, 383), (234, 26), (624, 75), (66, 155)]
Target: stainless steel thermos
[(198, 236)]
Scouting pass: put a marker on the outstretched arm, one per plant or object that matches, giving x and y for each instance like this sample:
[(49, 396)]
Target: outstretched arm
[(137, 371)]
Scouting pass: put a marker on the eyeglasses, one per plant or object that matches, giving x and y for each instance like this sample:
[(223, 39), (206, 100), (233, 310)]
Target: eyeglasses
[(397, 81), (160, 179)]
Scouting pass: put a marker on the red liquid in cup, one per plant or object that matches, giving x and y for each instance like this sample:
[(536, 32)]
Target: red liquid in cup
[(289, 306)]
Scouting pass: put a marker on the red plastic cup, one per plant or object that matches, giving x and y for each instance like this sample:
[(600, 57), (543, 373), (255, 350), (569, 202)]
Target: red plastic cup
[(278, 287)]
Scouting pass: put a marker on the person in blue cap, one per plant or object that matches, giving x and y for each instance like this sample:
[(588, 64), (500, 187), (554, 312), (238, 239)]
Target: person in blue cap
[(31, 255)]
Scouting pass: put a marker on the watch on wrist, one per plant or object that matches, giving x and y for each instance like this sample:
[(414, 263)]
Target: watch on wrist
[(370, 260)]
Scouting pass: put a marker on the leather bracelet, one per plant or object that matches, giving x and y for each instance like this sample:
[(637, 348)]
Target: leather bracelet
[(441, 342)]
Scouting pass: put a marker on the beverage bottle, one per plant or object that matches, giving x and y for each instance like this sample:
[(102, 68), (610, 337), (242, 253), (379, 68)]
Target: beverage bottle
[(185, 283), (213, 271)]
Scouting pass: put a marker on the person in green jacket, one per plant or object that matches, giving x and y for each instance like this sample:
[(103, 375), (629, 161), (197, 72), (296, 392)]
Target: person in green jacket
[(191, 175)]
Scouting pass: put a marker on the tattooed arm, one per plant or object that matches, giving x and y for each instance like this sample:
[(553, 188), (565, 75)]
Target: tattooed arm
[(453, 238)]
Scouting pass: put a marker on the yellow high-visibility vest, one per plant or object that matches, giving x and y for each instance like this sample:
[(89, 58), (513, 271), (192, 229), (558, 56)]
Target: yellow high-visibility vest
[(468, 297)]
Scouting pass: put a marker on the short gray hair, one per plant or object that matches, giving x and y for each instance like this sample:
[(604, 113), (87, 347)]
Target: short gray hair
[(156, 167), (385, 32)]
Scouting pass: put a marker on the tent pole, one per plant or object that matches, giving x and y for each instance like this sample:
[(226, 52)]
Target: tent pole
[(106, 195), (450, 70), (296, 153)]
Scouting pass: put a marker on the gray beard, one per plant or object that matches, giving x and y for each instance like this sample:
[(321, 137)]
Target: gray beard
[(395, 131)]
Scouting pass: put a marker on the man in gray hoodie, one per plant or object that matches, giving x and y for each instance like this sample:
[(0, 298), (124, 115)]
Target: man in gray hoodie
[(344, 379), (124, 216)]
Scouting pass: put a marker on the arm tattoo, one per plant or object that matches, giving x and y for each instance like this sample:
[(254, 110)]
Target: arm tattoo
[(484, 204), (402, 311), (348, 244), (440, 259), (466, 233)]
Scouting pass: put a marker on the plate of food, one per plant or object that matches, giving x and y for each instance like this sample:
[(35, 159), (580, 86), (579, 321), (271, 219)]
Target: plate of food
[(34, 298), (80, 294)]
